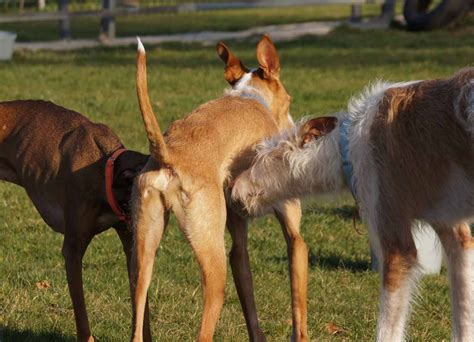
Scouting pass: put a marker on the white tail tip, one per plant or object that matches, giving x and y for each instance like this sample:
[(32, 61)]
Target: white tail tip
[(141, 48)]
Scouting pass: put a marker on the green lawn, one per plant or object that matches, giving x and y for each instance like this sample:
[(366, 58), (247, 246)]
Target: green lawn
[(321, 74), (222, 20)]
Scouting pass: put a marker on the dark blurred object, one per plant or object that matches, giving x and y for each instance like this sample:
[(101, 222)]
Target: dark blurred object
[(356, 13), (107, 22), (420, 18), (64, 23)]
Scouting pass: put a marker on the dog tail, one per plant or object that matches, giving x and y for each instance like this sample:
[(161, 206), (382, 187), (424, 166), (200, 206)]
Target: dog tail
[(158, 149)]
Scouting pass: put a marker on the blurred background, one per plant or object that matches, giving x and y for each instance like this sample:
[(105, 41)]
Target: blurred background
[(107, 19)]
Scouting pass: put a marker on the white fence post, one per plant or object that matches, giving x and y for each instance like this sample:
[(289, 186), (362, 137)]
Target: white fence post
[(41, 4)]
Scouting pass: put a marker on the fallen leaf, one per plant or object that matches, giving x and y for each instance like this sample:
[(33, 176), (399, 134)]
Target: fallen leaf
[(333, 329), (43, 285)]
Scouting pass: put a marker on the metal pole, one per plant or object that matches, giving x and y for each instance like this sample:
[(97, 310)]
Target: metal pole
[(107, 23), (41, 4), (65, 23), (356, 13), (388, 10)]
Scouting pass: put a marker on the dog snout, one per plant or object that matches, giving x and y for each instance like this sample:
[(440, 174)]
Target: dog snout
[(242, 187)]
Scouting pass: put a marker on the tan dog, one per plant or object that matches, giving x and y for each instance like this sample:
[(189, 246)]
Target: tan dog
[(410, 156), (59, 157), (187, 172)]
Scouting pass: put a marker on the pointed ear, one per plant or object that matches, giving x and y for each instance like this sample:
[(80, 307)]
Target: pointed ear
[(268, 59), (317, 127), (234, 69)]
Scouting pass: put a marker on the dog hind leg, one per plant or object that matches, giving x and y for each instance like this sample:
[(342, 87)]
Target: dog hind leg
[(399, 278), (126, 237), (289, 216), (203, 225), (240, 264), (458, 246), (149, 220)]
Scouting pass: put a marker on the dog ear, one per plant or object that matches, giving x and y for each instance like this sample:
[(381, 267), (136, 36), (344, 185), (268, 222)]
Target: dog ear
[(268, 59), (317, 127), (125, 178), (234, 69)]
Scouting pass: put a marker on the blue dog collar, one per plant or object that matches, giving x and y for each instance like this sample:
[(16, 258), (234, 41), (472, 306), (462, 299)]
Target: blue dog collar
[(347, 167), (256, 97)]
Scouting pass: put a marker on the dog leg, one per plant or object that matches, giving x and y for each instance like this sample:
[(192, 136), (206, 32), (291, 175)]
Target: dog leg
[(73, 250), (203, 225), (400, 274), (289, 216), (239, 262), (149, 227), (126, 237), (458, 246)]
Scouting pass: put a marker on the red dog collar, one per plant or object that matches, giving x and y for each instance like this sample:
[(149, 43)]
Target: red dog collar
[(109, 179)]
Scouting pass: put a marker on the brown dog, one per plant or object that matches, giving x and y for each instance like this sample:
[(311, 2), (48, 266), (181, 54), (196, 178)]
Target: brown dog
[(187, 172), (406, 150), (59, 157)]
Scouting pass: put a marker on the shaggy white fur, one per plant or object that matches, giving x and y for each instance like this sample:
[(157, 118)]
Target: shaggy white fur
[(285, 167)]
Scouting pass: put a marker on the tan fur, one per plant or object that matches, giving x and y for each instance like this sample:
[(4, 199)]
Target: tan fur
[(204, 151), (58, 156), (157, 144), (463, 236), (397, 266)]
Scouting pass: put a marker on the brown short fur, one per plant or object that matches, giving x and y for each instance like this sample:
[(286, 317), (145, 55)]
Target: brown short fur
[(58, 156)]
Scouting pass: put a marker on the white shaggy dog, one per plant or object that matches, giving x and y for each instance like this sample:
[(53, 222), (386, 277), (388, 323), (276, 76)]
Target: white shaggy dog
[(406, 151)]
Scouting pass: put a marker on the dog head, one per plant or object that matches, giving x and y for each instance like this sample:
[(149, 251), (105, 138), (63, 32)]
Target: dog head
[(127, 167), (297, 162), (264, 80)]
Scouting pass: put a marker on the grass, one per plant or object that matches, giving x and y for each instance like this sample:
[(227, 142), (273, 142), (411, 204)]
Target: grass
[(152, 24), (321, 73)]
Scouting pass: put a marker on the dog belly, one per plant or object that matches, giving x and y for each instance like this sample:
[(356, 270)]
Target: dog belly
[(7, 173), (457, 201), (51, 212)]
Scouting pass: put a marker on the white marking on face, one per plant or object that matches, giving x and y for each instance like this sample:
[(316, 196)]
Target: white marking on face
[(243, 82)]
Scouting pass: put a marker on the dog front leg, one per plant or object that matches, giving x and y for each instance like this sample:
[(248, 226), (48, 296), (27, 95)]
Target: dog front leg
[(73, 251), (289, 216), (240, 264), (458, 246), (126, 237), (149, 225)]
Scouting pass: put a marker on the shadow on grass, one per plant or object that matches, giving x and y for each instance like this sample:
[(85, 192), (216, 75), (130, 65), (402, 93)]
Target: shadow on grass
[(331, 262), (336, 262), (345, 212), (13, 335)]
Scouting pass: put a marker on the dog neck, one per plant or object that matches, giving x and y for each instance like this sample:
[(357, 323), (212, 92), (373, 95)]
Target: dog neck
[(109, 179), (243, 89), (123, 166), (347, 167), (256, 96)]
